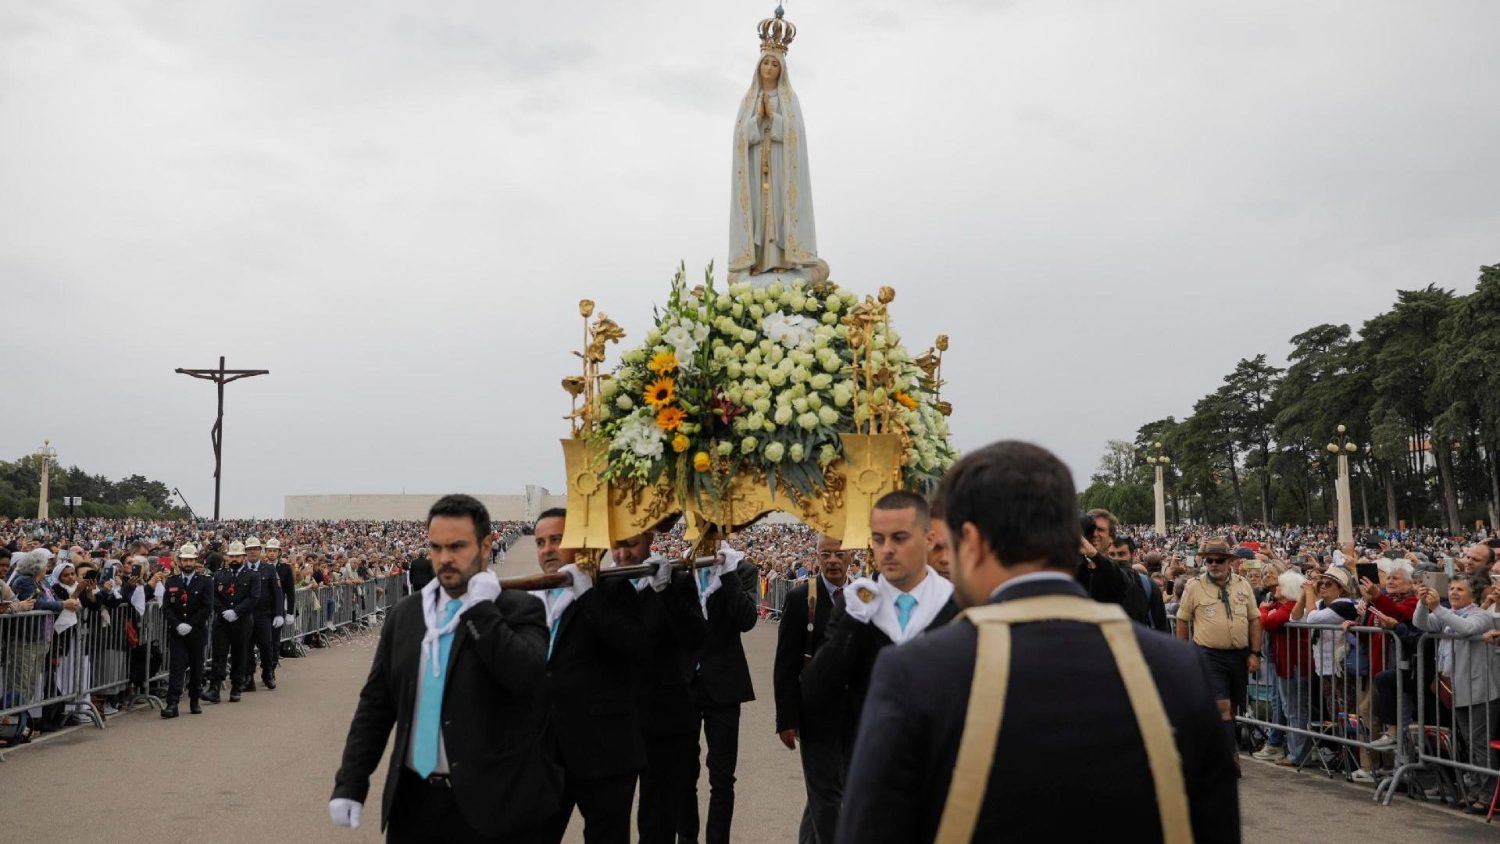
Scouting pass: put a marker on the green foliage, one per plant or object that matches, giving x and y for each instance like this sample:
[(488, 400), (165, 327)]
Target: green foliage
[(1418, 390), (135, 496)]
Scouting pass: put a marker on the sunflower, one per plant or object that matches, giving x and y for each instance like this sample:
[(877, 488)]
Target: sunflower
[(663, 362), (700, 461), (906, 401), (680, 442), (662, 392), (668, 420)]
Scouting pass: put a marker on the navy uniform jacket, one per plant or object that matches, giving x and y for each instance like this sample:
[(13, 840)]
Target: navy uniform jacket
[(592, 681), (1069, 764), (188, 604), (838, 678), (288, 586), (235, 589), (503, 781), (268, 601)]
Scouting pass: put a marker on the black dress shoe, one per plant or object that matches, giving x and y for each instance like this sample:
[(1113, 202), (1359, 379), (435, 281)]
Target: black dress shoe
[(211, 694), (269, 681), (169, 711), (249, 685), (194, 708), (234, 695)]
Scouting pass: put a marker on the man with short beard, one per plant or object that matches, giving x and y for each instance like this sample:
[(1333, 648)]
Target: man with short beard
[(825, 748), (674, 630), (235, 594), (458, 673), (593, 659), (268, 617)]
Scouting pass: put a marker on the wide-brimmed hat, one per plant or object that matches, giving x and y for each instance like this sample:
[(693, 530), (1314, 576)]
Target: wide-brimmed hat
[(1338, 575), (1215, 549)]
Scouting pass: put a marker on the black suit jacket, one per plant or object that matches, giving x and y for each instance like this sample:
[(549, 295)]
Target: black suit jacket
[(188, 604), (1069, 763), (674, 630), (591, 683), (794, 645), (503, 779), (420, 572), (723, 674), (838, 678)]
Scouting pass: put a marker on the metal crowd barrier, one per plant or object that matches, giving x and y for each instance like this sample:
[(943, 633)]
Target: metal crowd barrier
[(1321, 708), (775, 599), (114, 649), (1457, 701)]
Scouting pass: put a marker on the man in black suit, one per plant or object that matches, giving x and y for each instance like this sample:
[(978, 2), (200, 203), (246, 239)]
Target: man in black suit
[(593, 658), (419, 573), (674, 630), (458, 672), (909, 600), (1070, 764), (187, 604), (825, 751), (721, 682)]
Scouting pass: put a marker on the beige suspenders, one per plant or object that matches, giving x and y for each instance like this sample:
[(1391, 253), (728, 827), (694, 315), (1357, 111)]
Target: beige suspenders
[(976, 750)]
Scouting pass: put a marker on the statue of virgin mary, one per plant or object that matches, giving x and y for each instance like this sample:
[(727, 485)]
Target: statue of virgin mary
[(771, 231)]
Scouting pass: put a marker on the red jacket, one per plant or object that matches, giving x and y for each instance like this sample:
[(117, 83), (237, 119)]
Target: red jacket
[(1290, 648), (1401, 611)]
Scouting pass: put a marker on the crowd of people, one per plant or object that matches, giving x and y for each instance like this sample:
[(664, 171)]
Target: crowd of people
[(82, 590)]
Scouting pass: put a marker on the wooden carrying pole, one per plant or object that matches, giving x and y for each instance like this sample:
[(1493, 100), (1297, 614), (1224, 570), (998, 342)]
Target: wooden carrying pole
[(534, 582)]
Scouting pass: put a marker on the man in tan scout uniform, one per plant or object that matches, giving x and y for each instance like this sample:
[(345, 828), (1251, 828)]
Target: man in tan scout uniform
[(1105, 711), (1218, 611)]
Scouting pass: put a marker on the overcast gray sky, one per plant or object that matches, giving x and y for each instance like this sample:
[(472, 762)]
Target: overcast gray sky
[(395, 206)]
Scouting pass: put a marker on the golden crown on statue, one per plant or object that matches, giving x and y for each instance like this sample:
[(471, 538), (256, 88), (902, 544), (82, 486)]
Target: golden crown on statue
[(776, 33)]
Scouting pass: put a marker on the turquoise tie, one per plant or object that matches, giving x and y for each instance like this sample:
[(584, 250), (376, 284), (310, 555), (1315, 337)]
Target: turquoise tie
[(430, 708), (552, 640), (703, 579), (905, 603)]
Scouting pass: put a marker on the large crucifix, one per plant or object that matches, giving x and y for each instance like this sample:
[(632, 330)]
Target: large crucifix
[(221, 376)]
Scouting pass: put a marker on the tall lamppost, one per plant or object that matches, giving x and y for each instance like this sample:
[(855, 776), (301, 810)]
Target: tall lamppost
[(1159, 461), (46, 456), (1343, 448)]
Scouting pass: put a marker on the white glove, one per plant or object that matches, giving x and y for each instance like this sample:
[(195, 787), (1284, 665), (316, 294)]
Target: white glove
[(856, 605), (290, 619), (345, 812), (485, 586), (729, 559), (662, 577), (277, 621), (184, 629), (230, 616), (582, 583)]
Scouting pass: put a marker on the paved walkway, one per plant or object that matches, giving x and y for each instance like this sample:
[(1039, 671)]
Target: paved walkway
[(261, 770)]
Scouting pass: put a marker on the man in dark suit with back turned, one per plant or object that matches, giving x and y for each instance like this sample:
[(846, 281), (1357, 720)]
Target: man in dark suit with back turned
[(593, 661), (1065, 757), (458, 672), (825, 748)]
